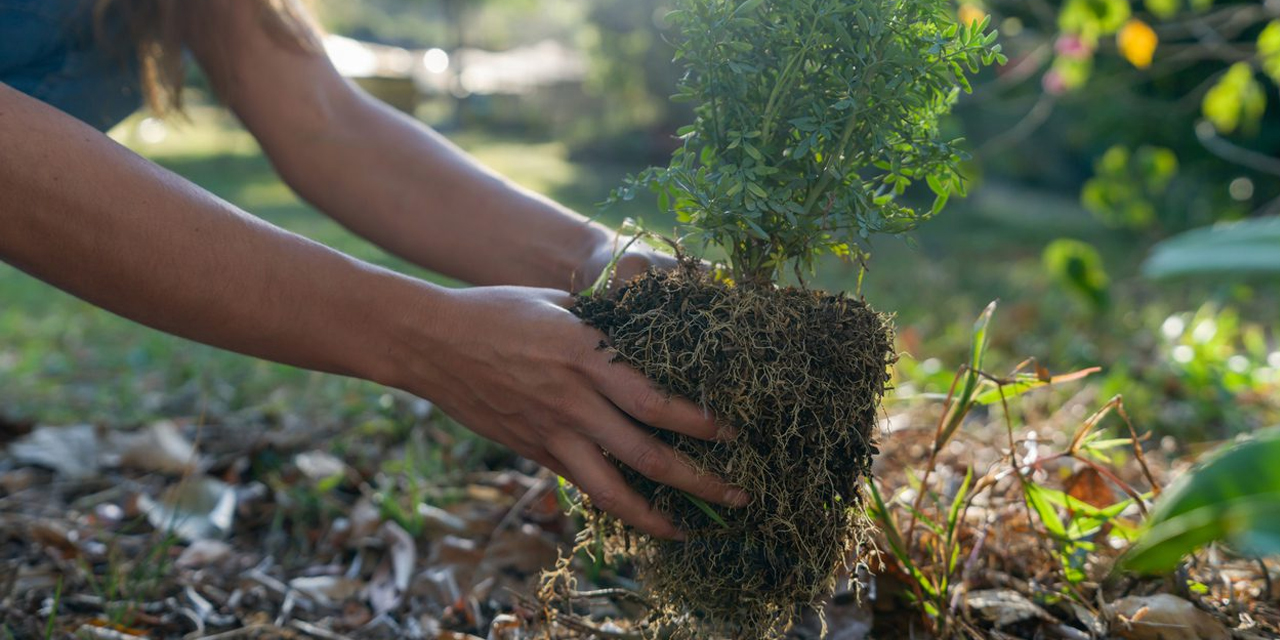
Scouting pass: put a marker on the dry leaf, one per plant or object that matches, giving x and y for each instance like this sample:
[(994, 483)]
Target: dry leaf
[(526, 550), (203, 553), (1005, 607), (506, 627), (318, 465), (1163, 617), (70, 451), (439, 521), (55, 537), (328, 591), (390, 581), (197, 509), (1089, 487), (160, 447)]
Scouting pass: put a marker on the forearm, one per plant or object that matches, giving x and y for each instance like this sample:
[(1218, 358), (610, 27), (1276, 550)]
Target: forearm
[(403, 186), (90, 217)]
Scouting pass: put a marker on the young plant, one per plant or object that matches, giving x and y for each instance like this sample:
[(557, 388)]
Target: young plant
[(812, 116), (936, 545)]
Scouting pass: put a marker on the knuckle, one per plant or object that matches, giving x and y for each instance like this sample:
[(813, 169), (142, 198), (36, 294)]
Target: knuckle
[(584, 351), (606, 500), (647, 405), (560, 405), (651, 462)]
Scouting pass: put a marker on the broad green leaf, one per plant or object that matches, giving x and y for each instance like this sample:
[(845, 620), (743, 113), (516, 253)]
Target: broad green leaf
[(1245, 248), (1252, 524), (1233, 496)]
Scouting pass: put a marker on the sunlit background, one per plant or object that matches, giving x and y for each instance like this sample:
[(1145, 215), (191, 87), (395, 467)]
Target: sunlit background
[(1087, 152)]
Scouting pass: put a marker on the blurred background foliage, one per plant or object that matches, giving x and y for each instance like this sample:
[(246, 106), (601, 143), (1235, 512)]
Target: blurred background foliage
[(1116, 126)]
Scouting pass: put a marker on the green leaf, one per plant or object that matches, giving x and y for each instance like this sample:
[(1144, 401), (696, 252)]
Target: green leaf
[(1240, 249), (706, 508), (964, 400), (1234, 496), (1078, 267), (1269, 50), (1237, 100), (1043, 507), (1027, 383), (953, 514), (1162, 9)]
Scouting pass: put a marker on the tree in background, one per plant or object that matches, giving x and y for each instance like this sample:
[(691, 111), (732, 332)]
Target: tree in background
[(1160, 107)]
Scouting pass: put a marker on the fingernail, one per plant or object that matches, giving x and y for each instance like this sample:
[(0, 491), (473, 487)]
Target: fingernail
[(737, 497)]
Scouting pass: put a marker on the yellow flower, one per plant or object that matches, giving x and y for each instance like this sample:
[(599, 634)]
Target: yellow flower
[(971, 13), (1137, 42)]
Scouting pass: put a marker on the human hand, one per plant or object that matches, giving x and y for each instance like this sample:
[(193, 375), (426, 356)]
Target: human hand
[(637, 259), (513, 364)]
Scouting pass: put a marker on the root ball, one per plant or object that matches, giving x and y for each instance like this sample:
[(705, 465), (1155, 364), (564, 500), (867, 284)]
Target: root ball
[(800, 373)]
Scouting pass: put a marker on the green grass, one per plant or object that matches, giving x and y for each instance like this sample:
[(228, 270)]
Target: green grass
[(62, 360)]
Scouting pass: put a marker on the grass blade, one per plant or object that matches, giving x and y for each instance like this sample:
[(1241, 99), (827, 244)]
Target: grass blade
[(706, 508)]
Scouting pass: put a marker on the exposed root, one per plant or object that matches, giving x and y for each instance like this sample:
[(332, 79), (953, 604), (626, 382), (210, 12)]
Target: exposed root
[(800, 374)]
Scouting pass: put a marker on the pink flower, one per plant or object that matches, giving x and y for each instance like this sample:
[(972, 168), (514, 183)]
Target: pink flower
[(1053, 82), (1072, 46)]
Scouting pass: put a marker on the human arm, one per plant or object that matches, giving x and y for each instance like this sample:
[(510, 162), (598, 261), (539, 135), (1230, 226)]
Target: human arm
[(86, 215), (384, 175)]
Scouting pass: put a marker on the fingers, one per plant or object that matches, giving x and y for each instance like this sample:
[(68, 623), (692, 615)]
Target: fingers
[(602, 482), (657, 461), (630, 391)]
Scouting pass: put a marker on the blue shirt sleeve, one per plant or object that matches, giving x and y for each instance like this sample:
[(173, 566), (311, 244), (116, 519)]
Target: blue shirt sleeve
[(49, 50)]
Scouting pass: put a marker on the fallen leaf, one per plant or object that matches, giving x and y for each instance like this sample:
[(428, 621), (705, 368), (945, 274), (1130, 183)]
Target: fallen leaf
[(55, 537), (17, 480), (1163, 617), (203, 553), (318, 465), (197, 509), (328, 591), (506, 627), (94, 632), (526, 550), (1005, 607), (439, 521), (159, 447), (71, 451), (365, 519), (1089, 487), (390, 581)]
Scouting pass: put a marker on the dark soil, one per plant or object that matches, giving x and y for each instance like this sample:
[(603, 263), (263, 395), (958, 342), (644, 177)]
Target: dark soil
[(800, 373)]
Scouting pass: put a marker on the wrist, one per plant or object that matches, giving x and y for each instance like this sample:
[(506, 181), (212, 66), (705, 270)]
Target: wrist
[(407, 319)]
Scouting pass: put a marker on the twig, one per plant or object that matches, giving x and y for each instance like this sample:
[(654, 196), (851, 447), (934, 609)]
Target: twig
[(1033, 120), (1231, 152), (319, 632), (240, 633)]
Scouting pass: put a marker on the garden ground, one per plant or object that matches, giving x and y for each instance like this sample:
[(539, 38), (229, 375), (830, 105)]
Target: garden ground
[(349, 510)]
